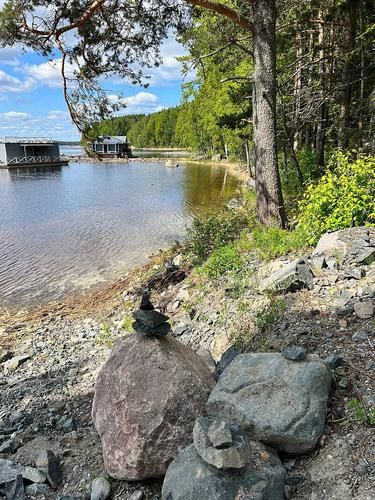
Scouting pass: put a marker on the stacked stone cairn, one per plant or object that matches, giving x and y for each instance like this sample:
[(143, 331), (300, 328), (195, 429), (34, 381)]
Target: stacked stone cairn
[(149, 322)]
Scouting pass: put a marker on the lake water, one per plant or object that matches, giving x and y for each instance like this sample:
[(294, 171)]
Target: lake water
[(67, 229)]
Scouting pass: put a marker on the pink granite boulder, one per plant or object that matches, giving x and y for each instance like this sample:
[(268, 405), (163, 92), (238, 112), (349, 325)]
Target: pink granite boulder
[(147, 397)]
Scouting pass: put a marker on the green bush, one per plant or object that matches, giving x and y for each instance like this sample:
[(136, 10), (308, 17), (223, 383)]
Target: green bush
[(343, 197), (308, 164), (271, 242), (213, 231), (223, 259)]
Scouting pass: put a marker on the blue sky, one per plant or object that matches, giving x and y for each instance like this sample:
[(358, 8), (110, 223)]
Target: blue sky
[(32, 103)]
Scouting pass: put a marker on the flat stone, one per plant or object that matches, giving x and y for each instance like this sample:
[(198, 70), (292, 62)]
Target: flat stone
[(8, 446), (152, 319), (49, 464), (137, 495), (100, 489), (190, 478), (292, 276), (364, 310), (33, 475), (294, 353), (147, 331), (66, 424), (282, 404)]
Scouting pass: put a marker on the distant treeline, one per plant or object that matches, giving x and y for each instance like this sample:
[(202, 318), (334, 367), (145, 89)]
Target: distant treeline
[(144, 131), (190, 126)]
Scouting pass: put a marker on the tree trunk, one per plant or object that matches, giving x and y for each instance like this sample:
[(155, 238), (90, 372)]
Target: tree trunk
[(297, 90), (323, 109), (270, 204), (347, 74)]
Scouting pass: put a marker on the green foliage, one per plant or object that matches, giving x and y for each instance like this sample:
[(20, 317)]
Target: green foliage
[(223, 259), (270, 314), (360, 414), (213, 231), (271, 242), (308, 165), (343, 197), (104, 337)]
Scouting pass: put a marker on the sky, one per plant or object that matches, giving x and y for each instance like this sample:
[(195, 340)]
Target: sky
[(31, 97)]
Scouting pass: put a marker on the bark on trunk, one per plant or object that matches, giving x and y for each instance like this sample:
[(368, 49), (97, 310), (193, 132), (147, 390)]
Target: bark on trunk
[(267, 180), (347, 75), (323, 110)]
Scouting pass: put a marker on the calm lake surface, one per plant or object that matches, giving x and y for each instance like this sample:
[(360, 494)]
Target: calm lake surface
[(67, 229)]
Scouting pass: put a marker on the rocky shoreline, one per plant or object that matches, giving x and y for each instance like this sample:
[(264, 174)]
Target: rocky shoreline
[(322, 302)]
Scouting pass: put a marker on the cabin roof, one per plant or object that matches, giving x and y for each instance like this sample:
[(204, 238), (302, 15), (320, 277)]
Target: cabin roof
[(111, 139), (27, 141)]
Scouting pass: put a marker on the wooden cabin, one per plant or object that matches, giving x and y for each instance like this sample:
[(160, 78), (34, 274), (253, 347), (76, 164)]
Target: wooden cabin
[(114, 146), (29, 152)]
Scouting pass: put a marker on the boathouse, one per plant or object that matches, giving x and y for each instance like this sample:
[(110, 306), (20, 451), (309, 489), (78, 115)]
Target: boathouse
[(29, 151), (114, 146)]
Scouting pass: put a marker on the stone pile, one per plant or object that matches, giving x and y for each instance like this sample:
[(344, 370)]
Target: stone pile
[(260, 400), (149, 322)]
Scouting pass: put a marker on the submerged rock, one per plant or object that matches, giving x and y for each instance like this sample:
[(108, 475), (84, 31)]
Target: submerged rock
[(283, 403), (147, 397)]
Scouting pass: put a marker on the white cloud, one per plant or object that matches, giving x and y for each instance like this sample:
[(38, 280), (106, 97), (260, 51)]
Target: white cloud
[(47, 73), (11, 84), (15, 115)]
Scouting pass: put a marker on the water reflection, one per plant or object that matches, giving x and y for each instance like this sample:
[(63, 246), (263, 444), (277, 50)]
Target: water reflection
[(69, 228)]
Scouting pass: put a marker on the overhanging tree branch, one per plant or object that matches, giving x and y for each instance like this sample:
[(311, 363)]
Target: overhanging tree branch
[(223, 10)]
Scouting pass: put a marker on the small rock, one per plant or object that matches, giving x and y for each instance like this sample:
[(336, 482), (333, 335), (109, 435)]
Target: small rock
[(355, 273), (229, 452), (33, 475), (360, 336), (294, 478), (49, 464), (15, 490), (334, 361), (370, 365), (100, 489), (287, 491), (12, 364), (343, 383), (177, 260), (226, 358), (9, 446), (15, 417), (219, 434), (137, 495), (343, 323), (66, 424), (294, 353), (37, 489), (208, 359), (9, 471), (364, 310)]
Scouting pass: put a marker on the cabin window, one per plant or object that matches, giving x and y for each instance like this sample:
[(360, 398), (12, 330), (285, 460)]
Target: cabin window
[(112, 148), (99, 148)]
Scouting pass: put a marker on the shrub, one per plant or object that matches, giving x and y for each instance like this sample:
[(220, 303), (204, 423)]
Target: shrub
[(308, 164), (213, 231), (343, 197), (226, 258), (270, 314), (271, 242)]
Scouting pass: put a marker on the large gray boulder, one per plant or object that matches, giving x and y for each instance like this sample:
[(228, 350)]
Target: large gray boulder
[(290, 277), (282, 402), (352, 246), (147, 397), (190, 478)]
